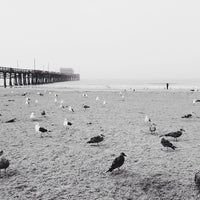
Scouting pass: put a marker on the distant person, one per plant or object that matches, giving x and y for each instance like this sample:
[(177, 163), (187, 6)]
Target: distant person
[(167, 85)]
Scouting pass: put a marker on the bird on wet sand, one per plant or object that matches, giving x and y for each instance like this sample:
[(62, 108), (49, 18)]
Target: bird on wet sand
[(118, 162), (174, 134), (96, 139), (70, 109), (167, 143), (4, 164), (147, 119), (33, 117), (187, 116)]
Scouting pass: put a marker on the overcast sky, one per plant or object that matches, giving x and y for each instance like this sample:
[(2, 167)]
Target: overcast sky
[(135, 39)]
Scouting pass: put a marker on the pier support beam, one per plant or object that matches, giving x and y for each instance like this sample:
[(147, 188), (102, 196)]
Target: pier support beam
[(10, 79)]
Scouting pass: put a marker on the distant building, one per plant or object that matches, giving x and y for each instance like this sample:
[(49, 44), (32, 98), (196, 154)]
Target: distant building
[(66, 70)]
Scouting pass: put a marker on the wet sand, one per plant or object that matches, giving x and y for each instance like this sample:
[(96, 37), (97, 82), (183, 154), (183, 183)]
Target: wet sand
[(61, 165)]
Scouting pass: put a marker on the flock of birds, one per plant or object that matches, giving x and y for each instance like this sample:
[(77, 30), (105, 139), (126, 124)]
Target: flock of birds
[(118, 161)]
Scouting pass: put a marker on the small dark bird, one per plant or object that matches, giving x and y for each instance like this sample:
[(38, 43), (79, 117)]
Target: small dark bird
[(11, 120), (197, 179), (187, 116), (117, 163), (167, 143), (174, 134), (43, 113), (86, 106), (1, 152), (40, 129), (96, 139), (4, 164)]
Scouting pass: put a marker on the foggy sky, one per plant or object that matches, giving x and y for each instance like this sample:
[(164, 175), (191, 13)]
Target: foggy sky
[(103, 39)]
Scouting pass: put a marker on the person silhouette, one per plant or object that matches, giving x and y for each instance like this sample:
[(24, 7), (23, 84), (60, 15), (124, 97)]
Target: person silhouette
[(167, 85)]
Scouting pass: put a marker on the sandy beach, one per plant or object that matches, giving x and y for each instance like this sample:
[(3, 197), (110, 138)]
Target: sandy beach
[(61, 165)]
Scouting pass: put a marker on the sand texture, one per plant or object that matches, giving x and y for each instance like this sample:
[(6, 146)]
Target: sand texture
[(61, 165)]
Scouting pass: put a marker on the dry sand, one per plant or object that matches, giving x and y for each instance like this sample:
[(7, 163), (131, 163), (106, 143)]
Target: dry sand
[(63, 166)]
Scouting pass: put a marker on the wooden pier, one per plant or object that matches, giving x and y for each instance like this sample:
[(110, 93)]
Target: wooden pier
[(33, 77)]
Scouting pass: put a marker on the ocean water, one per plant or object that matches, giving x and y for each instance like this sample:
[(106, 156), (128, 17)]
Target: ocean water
[(120, 84)]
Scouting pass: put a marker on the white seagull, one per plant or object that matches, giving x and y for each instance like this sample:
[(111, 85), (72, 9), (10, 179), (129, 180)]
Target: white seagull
[(147, 119), (97, 98), (32, 116), (66, 123), (104, 102)]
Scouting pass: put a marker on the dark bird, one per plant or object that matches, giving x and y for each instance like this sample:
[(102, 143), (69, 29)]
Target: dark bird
[(4, 164), (197, 179), (1, 152), (187, 116), (86, 106), (96, 139), (174, 134), (167, 143), (117, 163), (11, 120), (43, 113)]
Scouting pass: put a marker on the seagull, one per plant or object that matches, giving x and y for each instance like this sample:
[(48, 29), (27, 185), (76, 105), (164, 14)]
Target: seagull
[(36, 101), (85, 106), (55, 100), (85, 95), (66, 123), (97, 98), (56, 95), (40, 94), (43, 113), (187, 116), (11, 120), (96, 139), (27, 100), (152, 128), (4, 164), (104, 102), (32, 116), (197, 179), (62, 101), (167, 143), (40, 129), (174, 134), (147, 119), (71, 109), (117, 163)]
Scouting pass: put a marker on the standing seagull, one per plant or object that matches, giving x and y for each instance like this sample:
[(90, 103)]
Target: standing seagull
[(152, 128), (104, 102), (4, 164), (117, 163), (66, 123), (96, 139), (40, 129), (71, 109), (32, 116), (97, 98), (167, 143), (147, 119), (43, 113), (174, 134)]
